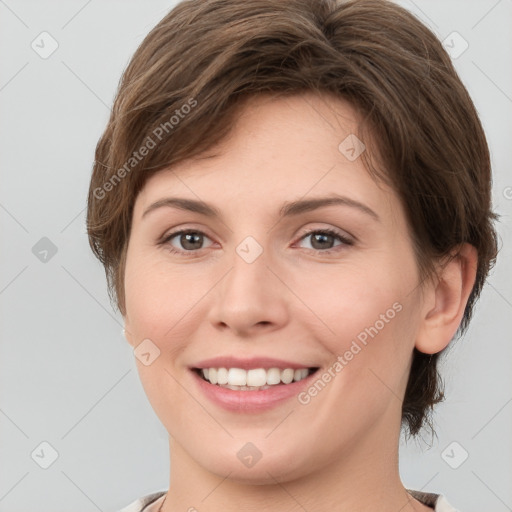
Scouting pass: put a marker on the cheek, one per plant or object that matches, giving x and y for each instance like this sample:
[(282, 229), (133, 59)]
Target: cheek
[(370, 336), (144, 283), (157, 303), (160, 298), (368, 316)]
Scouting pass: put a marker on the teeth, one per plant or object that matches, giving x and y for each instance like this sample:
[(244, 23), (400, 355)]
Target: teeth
[(287, 375), (250, 380), (273, 376), (222, 376), (298, 375), (237, 377), (257, 377)]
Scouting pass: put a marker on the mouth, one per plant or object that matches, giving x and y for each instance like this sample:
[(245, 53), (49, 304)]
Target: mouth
[(256, 379)]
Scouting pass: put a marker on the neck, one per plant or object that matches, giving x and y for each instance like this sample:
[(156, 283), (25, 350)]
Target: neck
[(365, 477)]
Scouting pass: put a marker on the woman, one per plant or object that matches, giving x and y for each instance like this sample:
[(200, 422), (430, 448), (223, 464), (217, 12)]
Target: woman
[(292, 204)]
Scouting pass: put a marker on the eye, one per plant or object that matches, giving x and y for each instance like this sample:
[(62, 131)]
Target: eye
[(322, 239), (190, 240)]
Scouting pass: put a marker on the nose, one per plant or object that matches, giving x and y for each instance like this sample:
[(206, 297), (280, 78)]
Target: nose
[(250, 299)]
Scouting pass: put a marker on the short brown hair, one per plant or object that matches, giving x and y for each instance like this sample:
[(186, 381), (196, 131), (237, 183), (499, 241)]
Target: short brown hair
[(193, 71)]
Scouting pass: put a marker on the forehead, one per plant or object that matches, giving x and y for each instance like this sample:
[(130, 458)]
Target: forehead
[(279, 148)]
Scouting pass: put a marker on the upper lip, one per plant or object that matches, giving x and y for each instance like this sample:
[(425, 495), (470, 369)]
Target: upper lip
[(250, 363)]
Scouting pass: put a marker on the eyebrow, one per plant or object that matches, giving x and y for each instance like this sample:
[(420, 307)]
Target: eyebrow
[(287, 210)]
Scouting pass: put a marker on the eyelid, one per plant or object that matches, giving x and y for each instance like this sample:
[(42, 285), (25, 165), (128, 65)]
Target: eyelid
[(345, 241), (180, 228), (344, 235), (168, 236), (337, 231), (345, 238)]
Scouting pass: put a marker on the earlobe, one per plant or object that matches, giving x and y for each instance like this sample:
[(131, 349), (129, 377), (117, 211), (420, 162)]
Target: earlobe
[(443, 314), (127, 334)]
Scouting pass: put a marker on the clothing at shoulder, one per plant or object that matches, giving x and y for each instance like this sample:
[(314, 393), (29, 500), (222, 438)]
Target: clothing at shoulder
[(436, 501), (152, 502), (148, 503)]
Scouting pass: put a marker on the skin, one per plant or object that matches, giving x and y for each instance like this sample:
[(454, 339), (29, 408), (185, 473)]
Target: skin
[(294, 302)]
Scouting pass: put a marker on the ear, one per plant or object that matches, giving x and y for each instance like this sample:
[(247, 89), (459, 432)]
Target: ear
[(126, 332), (446, 299)]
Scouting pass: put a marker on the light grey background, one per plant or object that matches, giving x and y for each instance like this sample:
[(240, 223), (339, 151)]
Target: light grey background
[(68, 377)]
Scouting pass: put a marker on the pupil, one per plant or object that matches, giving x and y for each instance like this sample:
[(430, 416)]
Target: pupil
[(188, 237), (321, 236)]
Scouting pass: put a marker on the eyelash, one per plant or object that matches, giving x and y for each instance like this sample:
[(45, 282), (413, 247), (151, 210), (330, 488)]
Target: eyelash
[(332, 232)]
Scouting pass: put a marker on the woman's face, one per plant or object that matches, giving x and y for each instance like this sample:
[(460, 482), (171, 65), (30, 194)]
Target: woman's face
[(264, 280)]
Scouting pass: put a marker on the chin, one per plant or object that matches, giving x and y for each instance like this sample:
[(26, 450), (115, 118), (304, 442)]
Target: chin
[(266, 471)]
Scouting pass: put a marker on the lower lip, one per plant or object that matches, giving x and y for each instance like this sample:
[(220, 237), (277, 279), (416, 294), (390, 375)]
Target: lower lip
[(251, 401)]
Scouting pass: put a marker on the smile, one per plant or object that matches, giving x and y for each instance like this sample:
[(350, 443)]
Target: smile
[(238, 379), (230, 393)]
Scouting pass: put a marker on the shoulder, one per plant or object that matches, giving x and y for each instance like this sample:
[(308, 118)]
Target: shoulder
[(436, 501), (145, 503)]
